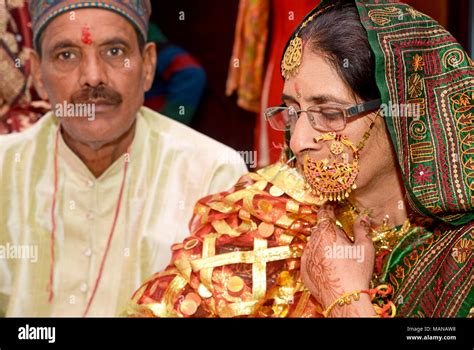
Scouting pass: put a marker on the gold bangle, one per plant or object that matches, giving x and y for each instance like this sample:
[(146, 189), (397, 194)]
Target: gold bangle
[(383, 290), (344, 299)]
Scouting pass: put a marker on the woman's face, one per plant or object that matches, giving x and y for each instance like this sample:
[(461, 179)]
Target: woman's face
[(318, 82)]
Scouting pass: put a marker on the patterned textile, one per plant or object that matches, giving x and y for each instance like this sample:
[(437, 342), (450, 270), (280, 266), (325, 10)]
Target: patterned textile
[(20, 105), (246, 65), (431, 272), (419, 62), (243, 256), (43, 11)]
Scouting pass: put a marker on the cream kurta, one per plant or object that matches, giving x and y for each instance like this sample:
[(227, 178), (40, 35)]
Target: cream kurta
[(171, 167)]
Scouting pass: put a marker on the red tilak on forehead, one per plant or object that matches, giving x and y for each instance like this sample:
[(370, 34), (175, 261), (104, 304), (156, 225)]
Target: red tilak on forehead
[(86, 36)]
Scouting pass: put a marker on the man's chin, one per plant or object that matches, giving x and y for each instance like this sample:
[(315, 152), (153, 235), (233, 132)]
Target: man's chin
[(99, 131)]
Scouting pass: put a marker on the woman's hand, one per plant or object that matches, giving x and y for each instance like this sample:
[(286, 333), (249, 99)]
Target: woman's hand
[(332, 265)]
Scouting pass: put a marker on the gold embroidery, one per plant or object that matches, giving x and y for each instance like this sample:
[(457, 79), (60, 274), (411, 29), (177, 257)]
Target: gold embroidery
[(421, 152), (417, 63), (292, 206), (184, 267), (290, 181), (302, 303), (418, 105), (160, 310), (222, 207), (415, 85), (382, 16), (462, 250), (417, 130), (427, 194), (453, 58), (414, 13)]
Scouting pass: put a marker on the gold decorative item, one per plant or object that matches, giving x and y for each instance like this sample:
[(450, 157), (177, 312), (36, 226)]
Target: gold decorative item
[(332, 180), (294, 51)]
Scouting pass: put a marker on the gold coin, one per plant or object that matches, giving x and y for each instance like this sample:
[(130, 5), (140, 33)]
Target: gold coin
[(265, 206), (265, 230), (235, 284), (194, 297), (188, 307), (276, 192), (191, 244)]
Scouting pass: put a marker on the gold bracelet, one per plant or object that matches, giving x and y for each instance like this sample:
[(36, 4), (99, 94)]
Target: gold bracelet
[(344, 299), (388, 310)]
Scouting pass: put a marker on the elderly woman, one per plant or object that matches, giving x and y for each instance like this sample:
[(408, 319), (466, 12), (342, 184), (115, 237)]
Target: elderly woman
[(370, 211)]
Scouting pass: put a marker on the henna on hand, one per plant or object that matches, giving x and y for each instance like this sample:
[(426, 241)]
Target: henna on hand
[(322, 274)]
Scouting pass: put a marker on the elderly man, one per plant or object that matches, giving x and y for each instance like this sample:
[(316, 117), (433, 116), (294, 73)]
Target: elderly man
[(94, 194)]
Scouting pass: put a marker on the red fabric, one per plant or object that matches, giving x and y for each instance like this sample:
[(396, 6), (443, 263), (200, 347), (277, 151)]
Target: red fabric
[(269, 142), (18, 109)]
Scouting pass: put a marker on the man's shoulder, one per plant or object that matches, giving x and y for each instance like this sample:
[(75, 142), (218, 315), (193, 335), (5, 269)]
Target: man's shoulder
[(181, 135), (17, 141)]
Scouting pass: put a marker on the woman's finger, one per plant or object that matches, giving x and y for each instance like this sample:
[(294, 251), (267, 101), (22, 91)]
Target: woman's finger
[(325, 213), (362, 230)]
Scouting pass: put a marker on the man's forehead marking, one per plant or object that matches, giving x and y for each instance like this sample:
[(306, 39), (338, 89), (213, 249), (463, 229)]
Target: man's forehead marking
[(86, 35)]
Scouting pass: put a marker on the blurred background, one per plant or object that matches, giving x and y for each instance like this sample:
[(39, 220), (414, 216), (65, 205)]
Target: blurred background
[(218, 64)]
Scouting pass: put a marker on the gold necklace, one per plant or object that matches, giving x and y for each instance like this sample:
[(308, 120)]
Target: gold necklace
[(384, 237)]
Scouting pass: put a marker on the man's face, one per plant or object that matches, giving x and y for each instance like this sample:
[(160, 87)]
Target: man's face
[(92, 56)]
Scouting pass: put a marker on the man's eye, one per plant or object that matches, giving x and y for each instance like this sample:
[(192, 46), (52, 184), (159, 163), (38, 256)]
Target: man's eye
[(115, 51), (66, 56)]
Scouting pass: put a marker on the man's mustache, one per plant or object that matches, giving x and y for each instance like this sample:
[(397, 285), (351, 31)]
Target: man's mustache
[(100, 94)]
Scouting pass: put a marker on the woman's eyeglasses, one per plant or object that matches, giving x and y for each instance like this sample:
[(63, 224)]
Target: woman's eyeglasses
[(324, 117)]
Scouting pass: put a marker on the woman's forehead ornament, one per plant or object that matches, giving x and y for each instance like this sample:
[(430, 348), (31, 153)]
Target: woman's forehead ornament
[(294, 51)]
